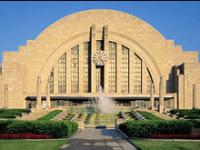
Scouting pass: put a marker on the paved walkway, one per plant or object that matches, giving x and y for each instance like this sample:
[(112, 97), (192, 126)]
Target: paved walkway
[(98, 139)]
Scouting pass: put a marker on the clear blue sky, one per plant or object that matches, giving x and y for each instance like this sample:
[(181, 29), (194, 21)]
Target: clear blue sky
[(21, 21)]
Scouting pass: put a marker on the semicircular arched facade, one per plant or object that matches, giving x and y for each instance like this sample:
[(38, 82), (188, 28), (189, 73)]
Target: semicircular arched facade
[(72, 58)]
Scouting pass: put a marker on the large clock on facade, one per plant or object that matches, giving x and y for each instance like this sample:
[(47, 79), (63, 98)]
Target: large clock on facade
[(100, 58)]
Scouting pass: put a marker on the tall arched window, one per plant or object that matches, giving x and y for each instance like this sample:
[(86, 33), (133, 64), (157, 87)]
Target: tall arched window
[(138, 75), (75, 69), (86, 67), (125, 70), (112, 67), (62, 74)]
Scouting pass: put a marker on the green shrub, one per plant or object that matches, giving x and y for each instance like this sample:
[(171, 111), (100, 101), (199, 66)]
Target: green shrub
[(137, 128), (195, 123), (12, 113), (50, 115), (4, 125), (144, 129), (186, 113), (56, 129), (173, 127)]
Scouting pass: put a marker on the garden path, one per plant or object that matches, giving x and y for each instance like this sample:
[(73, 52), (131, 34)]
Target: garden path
[(98, 139)]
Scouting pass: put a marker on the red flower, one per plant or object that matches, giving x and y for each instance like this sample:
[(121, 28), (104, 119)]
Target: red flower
[(175, 136), (23, 136)]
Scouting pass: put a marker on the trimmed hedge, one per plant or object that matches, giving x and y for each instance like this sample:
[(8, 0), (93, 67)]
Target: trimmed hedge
[(4, 125), (195, 123), (12, 113), (55, 129), (186, 113), (144, 129)]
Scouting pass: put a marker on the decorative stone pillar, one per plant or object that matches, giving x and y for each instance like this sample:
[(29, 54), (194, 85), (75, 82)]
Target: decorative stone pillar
[(175, 101), (48, 99), (144, 78), (152, 97), (6, 95), (39, 97), (106, 50), (180, 92), (161, 97), (194, 96), (93, 66)]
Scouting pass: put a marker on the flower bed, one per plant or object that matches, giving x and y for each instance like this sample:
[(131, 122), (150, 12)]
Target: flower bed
[(23, 136), (175, 136)]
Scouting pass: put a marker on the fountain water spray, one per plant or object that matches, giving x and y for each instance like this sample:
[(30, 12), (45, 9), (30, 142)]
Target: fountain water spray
[(105, 104)]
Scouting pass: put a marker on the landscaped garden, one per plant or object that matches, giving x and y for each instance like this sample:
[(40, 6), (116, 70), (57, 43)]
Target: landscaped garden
[(136, 124)]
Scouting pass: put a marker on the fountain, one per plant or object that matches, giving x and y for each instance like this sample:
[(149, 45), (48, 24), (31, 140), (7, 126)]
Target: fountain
[(105, 104)]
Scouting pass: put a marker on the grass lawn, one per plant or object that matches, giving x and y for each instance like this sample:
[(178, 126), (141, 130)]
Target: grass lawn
[(166, 145), (50, 115), (150, 116), (31, 144)]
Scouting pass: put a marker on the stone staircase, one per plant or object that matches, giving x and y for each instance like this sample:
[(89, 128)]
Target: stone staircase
[(156, 113)]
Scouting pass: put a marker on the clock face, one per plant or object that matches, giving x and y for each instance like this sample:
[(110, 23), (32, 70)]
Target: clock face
[(100, 58)]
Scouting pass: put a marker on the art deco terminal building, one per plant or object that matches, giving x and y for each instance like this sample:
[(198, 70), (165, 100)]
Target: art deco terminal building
[(69, 61)]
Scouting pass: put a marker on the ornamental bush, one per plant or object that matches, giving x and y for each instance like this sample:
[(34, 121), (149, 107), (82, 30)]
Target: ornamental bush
[(186, 113), (55, 129), (195, 123), (4, 125), (12, 113), (145, 129)]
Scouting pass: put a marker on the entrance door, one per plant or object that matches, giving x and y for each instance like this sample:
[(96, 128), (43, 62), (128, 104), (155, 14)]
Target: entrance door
[(43, 104)]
